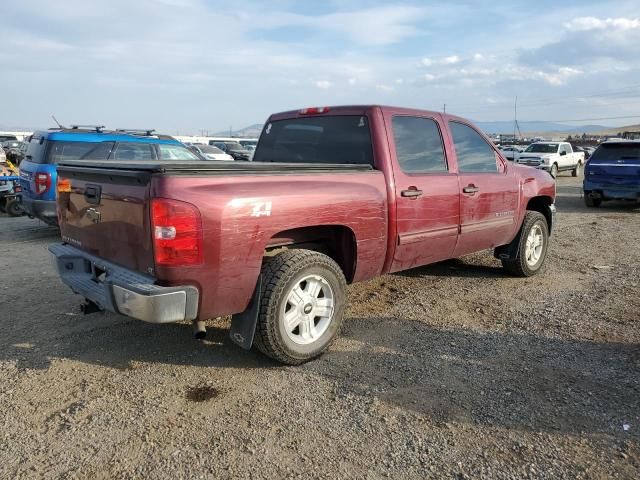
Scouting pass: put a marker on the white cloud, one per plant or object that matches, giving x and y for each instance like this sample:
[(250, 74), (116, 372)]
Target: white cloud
[(352, 81), (324, 84), (453, 59), (560, 76), (478, 57), (585, 24), (427, 62), (384, 88)]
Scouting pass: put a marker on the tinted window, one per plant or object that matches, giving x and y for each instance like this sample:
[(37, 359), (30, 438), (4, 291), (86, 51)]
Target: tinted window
[(340, 139), (418, 145), (474, 154), (61, 151), (608, 152), (134, 151), (176, 152)]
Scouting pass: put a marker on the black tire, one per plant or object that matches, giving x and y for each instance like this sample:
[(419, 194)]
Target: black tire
[(576, 171), (280, 274), (591, 202), (519, 266), (554, 170), (14, 208), (3, 205)]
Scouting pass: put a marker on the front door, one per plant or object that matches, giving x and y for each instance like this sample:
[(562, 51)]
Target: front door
[(489, 192), (427, 193)]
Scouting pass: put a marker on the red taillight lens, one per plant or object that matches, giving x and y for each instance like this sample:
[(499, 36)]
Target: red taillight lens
[(43, 182), (177, 232)]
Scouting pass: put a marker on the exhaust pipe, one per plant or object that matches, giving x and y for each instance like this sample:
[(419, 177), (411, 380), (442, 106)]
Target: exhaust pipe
[(199, 329)]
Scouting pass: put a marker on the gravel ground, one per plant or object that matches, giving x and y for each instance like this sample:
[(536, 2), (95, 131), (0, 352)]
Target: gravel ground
[(448, 371)]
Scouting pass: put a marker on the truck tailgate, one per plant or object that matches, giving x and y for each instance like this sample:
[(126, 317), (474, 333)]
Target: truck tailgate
[(106, 213)]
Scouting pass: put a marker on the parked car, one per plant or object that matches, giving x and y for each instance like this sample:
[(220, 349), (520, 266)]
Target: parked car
[(553, 157), (47, 148), (587, 152), (511, 152), (237, 151), (613, 173), (335, 195), (249, 144), (209, 152), (9, 191), (7, 137)]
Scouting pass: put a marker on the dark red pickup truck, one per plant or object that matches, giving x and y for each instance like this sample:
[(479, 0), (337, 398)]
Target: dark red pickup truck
[(334, 195)]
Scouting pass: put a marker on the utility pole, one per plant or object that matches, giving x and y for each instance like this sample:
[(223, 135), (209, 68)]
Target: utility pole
[(515, 117), (444, 108)]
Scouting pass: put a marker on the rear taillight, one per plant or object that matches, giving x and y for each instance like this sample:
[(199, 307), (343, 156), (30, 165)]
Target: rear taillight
[(177, 232), (43, 182), (313, 110)]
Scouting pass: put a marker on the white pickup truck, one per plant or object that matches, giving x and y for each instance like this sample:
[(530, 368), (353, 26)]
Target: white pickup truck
[(553, 157)]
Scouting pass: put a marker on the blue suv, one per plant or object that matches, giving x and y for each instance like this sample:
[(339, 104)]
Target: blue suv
[(47, 148), (613, 173)]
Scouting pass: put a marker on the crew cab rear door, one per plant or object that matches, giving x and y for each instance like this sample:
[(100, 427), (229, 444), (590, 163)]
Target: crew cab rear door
[(427, 192), (489, 192)]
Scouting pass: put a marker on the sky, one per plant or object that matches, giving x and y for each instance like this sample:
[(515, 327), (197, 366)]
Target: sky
[(191, 66)]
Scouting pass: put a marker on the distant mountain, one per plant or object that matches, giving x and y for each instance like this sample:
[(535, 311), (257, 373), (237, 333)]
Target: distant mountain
[(540, 127), (250, 131)]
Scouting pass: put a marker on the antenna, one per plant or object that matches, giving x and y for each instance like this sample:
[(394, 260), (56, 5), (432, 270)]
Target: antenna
[(57, 122), (516, 125), (444, 108)]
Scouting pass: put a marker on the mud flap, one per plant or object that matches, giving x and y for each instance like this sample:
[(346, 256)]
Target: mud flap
[(509, 251), (243, 325)]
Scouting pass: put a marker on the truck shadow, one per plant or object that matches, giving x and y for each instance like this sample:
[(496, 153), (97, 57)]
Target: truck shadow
[(456, 267)]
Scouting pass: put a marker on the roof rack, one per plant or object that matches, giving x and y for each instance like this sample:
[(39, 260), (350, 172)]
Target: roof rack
[(137, 131), (97, 128)]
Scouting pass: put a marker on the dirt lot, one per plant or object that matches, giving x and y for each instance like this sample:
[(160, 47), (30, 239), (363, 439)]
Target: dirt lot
[(449, 371)]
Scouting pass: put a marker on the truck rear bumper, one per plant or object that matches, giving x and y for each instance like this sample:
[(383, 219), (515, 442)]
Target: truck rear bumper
[(121, 290)]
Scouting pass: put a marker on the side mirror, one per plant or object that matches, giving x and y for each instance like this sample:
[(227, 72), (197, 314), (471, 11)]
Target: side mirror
[(563, 153)]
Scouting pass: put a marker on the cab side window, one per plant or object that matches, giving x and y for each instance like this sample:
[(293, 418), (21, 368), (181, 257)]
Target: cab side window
[(474, 154), (134, 151), (419, 147)]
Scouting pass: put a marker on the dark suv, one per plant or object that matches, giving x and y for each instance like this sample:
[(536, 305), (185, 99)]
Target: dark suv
[(237, 151)]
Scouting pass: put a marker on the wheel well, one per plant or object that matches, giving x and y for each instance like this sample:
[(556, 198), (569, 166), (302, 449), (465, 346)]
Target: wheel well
[(335, 241), (542, 205)]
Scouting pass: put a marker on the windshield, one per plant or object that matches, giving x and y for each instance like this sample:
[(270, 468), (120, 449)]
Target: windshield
[(615, 152), (344, 139), (209, 149), (542, 148)]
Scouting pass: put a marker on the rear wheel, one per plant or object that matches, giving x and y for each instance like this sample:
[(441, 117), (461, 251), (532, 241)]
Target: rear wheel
[(591, 202), (14, 208), (576, 171), (301, 307), (532, 245), (554, 170)]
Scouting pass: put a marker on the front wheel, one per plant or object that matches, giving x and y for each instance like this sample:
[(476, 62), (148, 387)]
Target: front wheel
[(301, 307), (554, 170), (532, 245)]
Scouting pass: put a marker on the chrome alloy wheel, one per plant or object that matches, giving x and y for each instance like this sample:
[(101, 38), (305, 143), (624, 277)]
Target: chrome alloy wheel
[(534, 246), (308, 310)]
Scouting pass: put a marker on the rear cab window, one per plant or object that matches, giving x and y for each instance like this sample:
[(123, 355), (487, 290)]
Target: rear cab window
[(338, 139), (473, 153), (419, 147)]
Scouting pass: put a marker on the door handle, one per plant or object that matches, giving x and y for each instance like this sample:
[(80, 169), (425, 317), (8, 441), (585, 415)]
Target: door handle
[(471, 189), (411, 192)]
